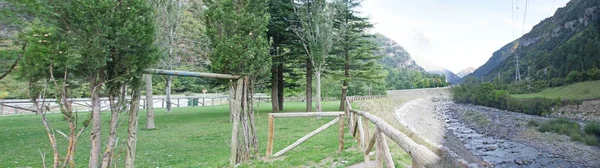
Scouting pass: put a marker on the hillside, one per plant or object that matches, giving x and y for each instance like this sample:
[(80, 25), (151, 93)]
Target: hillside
[(465, 72), (580, 91), (568, 41), (402, 70), (394, 55)]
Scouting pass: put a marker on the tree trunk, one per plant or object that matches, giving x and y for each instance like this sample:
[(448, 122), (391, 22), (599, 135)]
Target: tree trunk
[(115, 108), (168, 93), (346, 78), (132, 129), (274, 87), (318, 75), (309, 72), (149, 103), (95, 137), (280, 85)]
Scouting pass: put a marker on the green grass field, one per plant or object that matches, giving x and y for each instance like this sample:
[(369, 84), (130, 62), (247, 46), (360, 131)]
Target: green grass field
[(579, 91), (187, 137)]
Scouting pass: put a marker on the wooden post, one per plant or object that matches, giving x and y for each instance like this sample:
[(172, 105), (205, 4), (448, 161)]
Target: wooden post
[(416, 164), (1, 107), (341, 137), (371, 143), (270, 136), (162, 103), (177, 102), (386, 150), (365, 136), (379, 151), (235, 104), (361, 133)]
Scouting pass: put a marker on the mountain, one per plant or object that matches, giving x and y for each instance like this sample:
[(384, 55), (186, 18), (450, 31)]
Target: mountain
[(394, 55), (435, 69), (402, 71), (569, 41), (465, 72), (450, 76)]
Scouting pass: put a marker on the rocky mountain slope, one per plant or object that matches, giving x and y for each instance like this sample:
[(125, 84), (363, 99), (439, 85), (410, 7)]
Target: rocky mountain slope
[(568, 41), (394, 55), (465, 72)]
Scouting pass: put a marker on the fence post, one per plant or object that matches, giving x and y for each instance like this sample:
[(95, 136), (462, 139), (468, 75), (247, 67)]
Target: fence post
[(365, 135), (162, 103), (1, 107), (270, 136), (341, 137), (177, 102)]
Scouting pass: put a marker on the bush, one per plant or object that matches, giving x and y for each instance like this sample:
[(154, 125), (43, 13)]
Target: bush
[(561, 126), (556, 82), (592, 128), (575, 76), (573, 130), (593, 74)]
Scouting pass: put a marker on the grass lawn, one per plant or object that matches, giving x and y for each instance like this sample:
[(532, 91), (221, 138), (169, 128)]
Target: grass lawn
[(579, 91), (187, 137)]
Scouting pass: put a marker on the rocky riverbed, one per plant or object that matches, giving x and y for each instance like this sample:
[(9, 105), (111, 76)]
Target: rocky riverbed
[(485, 137)]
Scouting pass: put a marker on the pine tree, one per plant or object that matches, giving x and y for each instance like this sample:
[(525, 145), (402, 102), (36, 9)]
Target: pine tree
[(355, 49), (281, 39)]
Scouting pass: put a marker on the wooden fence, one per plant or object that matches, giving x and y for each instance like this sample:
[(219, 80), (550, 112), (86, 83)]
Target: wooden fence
[(358, 124), (359, 129)]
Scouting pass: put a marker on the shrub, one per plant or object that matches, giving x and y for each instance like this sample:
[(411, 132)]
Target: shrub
[(533, 123), (573, 130), (593, 74), (592, 128), (561, 126), (575, 76)]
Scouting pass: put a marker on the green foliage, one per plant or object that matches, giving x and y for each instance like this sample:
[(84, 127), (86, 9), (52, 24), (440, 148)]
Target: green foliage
[(237, 30), (46, 51), (592, 128), (572, 129), (487, 94)]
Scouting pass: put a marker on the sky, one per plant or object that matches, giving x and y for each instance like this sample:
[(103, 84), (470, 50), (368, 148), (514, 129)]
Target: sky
[(455, 34)]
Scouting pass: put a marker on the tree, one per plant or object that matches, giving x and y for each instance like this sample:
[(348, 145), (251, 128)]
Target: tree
[(281, 39), (315, 32), (46, 57), (112, 42), (237, 30), (168, 20), (356, 48)]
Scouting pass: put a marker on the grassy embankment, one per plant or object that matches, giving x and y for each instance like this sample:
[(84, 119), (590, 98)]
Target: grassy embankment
[(577, 91), (187, 137)]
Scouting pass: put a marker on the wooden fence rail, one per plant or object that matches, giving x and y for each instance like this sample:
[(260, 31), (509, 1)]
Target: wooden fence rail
[(271, 134), (422, 157)]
